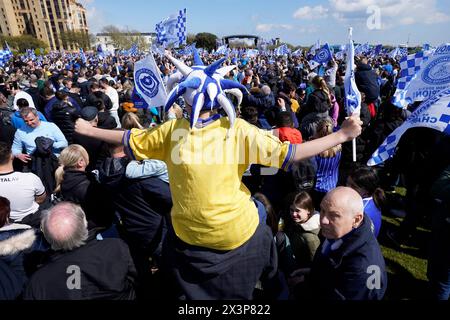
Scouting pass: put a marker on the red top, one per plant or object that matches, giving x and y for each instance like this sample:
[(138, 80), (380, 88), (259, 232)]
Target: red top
[(290, 134)]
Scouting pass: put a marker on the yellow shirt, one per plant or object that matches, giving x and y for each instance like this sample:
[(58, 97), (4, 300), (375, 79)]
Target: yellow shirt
[(211, 206), (294, 105)]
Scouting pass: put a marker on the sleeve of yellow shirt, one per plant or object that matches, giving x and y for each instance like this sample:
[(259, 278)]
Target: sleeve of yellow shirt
[(265, 149), (147, 144)]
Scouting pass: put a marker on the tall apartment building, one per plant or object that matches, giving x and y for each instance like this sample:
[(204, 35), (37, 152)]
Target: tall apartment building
[(43, 19)]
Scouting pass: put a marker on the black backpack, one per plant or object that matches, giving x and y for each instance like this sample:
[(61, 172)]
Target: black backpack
[(304, 174)]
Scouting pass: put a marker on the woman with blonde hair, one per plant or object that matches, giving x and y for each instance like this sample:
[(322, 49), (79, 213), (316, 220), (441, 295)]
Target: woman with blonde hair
[(131, 121), (76, 185), (327, 162)]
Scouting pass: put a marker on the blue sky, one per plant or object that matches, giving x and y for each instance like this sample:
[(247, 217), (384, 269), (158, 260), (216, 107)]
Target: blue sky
[(296, 22)]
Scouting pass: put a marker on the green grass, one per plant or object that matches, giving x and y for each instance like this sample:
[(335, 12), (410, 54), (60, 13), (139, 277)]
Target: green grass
[(416, 267), (407, 265)]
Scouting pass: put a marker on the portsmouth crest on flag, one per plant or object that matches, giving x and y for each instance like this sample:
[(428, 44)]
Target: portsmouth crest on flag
[(431, 76), (148, 82), (434, 113)]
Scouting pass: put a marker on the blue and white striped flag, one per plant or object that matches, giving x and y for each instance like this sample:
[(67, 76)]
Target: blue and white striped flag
[(173, 30), (282, 50), (430, 76), (352, 94), (434, 113), (148, 82)]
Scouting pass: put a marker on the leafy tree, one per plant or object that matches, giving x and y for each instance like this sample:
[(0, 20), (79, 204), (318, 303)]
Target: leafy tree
[(190, 38), (124, 39), (22, 43), (206, 40), (75, 39)]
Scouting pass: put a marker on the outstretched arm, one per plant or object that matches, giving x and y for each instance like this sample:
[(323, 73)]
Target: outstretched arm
[(109, 136), (351, 128)]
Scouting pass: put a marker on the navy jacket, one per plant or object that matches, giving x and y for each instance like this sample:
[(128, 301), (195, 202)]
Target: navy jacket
[(106, 272), (346, 272), (142, 204), (367, 82)]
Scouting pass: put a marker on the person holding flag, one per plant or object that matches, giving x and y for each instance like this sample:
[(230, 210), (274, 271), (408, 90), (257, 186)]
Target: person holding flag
[(218, 245)]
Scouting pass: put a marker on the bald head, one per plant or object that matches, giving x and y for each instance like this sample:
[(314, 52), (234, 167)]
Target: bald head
[(348, 199), (65, 227), (266, 90), (341, 210)]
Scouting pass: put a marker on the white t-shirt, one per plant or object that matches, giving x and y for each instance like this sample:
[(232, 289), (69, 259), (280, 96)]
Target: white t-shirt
[(21, 189), (114, 96)]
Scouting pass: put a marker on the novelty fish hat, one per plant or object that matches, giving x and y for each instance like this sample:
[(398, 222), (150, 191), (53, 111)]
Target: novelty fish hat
[(202, 87)]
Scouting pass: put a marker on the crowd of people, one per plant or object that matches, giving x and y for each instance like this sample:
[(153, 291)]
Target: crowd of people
[(99, 198)]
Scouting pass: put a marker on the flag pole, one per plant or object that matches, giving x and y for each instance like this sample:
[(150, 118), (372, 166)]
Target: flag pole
[(350, 35)]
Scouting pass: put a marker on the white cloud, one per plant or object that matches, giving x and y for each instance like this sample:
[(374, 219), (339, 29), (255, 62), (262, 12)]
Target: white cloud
[(309, 13), (307, 30), (392, 12), (95, 17), (267, 27)]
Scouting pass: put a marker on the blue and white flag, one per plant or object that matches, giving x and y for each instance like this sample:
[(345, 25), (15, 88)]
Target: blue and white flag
[(30, 54), (83, 56), (148, 82), (222, 50), (352, 94), (403, 52), (358, 49), (134, 50), (100, 52), (314, 48), (377, 50), (340, 55), (282, 50), (252, 53), (394, 53), (173, 30), (8, 51), (158, 49), (431, 76), (322, 57), (434, 113), (297, 53), (398, 52), (4, 57), (410, 66)]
